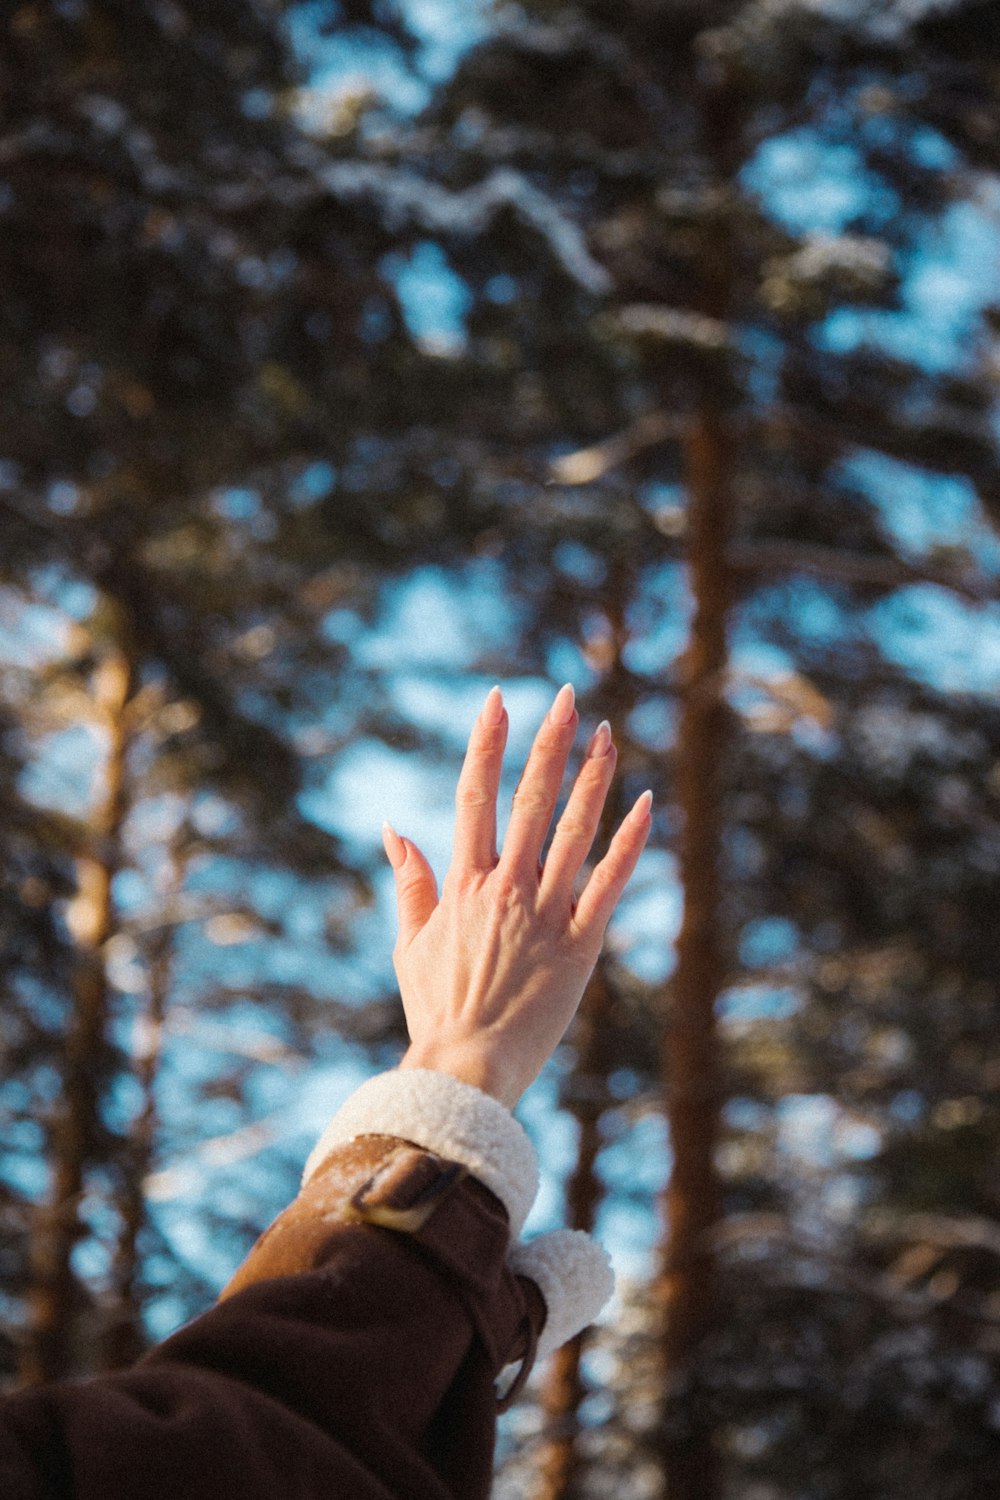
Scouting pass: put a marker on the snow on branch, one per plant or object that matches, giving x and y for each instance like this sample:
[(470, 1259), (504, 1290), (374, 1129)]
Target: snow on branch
[(675, 325), (587, 465), (822, 255), (406, 198), (887, 20), (567, 34), (882, 20), (881, 573), (850, 267)]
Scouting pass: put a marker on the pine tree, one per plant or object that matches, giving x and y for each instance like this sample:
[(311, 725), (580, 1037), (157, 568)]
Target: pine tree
[(713, 331), (178, 272)]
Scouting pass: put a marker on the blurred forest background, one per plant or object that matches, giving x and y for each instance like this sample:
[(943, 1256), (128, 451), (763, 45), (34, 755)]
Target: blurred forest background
[(358, 355)]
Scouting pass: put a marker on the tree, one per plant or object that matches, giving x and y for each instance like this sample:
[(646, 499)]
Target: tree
[(649, 129), (167, 494)]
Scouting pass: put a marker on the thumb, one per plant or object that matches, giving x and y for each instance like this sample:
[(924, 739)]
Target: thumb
[(416, 888)]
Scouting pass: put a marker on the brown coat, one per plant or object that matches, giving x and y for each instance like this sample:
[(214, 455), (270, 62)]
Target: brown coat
[(352, 1357)]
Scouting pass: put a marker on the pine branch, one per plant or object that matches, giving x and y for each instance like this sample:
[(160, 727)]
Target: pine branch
[(750, 559)]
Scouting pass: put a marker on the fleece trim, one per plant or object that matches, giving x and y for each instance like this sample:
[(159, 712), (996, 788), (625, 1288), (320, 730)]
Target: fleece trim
[(573, 1273), (446, 1116)]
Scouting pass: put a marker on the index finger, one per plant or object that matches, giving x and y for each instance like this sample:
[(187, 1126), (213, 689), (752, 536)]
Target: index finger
[(475, 845)]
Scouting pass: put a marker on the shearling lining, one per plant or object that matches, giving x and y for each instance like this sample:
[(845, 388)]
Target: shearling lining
[(451, 1118), (573, 1273)]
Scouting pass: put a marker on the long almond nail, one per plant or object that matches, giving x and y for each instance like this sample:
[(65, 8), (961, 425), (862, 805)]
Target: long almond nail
[(641, 810), (563, 708), (395, 848), (492, 710), (600, 742)]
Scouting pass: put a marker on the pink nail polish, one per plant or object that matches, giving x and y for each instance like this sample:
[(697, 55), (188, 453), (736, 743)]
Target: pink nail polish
[(564, 705), (492, 711), (600, 742)]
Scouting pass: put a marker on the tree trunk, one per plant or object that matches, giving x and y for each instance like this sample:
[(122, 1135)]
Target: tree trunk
[(558, 1460), (124, 1340), (685, 1292), (558, 1463), (76, 1133)]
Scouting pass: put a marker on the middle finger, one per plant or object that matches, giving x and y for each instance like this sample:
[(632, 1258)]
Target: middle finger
[(535, 798)]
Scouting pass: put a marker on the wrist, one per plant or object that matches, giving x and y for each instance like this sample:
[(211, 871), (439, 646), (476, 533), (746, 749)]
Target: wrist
[(469, 1064)]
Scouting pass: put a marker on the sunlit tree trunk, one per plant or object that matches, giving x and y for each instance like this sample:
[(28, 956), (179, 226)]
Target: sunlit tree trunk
[(124, 1340), (685, 1289), (77, 1131), (558, 1465), (558, 1461)]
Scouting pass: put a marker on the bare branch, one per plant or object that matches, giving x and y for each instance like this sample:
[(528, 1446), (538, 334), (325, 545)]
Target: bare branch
[(589, 464), (886, 573), (219, 1151)]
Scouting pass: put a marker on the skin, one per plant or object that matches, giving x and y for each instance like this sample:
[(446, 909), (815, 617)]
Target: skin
[(492, 970)]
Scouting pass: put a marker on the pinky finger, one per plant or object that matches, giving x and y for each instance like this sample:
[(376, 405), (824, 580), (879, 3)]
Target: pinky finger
[(608, 880)]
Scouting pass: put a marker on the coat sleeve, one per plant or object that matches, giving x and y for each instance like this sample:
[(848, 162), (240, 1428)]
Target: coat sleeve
[(354, 1354)]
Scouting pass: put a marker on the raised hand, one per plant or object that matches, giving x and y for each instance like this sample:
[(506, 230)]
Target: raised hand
[(492, 971)]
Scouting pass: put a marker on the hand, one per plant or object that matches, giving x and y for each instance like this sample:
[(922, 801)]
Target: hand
[(491, 973)]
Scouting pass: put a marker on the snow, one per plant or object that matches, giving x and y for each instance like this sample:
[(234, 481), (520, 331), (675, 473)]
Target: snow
[(404, 197)]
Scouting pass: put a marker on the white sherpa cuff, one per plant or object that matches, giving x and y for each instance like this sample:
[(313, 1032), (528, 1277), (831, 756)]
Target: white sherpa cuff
[(573, 1273), (451, 1118)]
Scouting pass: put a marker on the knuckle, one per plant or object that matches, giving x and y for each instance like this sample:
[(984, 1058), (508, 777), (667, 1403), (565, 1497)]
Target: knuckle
[(532, 801), (596, 774), (472, 797), (509, 890), (547, 743), (602, 878), (555, 912), (490, 737), (506, 887), (462, 883), (572, 826)]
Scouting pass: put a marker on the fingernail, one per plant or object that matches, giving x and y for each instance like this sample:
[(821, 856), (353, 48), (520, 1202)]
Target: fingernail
[(600, 741), (492, 711), (395, 848), (642, 806), (565, 703)]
